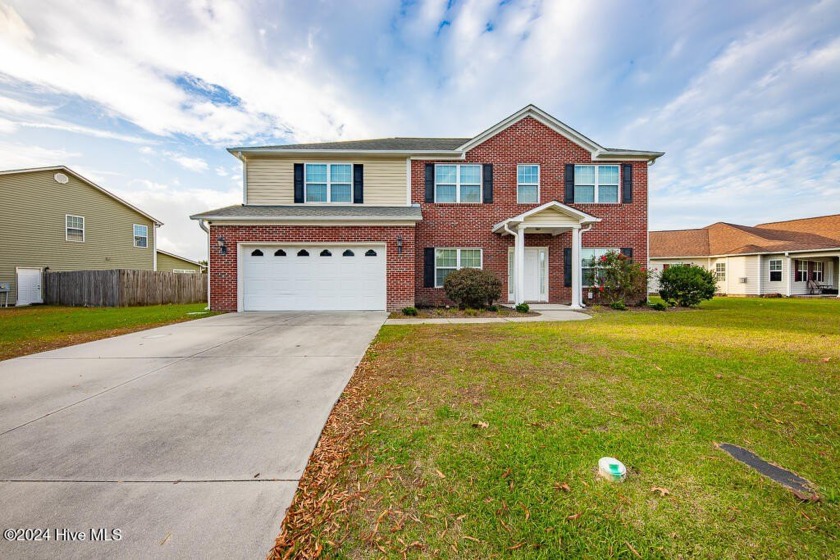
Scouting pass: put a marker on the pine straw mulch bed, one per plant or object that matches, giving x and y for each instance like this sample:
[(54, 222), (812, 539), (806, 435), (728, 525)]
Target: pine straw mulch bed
[(321, 494)]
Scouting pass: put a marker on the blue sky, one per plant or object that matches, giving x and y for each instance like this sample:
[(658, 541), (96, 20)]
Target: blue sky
[(144, 96)]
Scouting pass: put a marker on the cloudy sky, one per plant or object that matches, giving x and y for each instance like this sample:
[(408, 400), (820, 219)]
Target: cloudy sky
[(143, 96)]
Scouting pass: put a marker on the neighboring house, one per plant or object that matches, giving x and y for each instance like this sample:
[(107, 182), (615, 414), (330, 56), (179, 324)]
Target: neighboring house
[(776, 257), (169, 262), (53, 218), (379, 224)]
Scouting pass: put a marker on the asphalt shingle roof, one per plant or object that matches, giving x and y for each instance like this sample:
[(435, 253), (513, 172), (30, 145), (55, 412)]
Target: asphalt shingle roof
[(306, 211), (385, 144)]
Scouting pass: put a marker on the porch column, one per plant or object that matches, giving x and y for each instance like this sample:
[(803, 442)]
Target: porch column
[(576, 267), (789, 277), (519, 265), (836, 279)]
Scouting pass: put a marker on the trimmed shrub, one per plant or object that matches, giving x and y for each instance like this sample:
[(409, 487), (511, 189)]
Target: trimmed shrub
[(658, 306), (473, 287), (617, 278), (687, 285), (523, 308), (493, 308), (618, 306), (410, 311)]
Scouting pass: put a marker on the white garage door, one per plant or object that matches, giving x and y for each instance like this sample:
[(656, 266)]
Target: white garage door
[(323, 277)]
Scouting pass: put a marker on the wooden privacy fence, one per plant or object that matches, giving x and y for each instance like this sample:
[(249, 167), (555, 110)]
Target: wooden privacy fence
[(120, 288)]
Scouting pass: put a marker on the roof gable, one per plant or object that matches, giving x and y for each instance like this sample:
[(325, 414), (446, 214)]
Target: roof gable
[(64, 169)]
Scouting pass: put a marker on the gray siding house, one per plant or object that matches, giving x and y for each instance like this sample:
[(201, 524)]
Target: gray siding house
[(52, 218)]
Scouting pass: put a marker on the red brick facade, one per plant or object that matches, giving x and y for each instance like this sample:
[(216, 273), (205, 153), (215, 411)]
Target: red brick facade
[(463, 225), (470, 225), (223, 268)]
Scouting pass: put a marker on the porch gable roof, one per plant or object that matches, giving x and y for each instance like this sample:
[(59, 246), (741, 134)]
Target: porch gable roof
[(541, 217)]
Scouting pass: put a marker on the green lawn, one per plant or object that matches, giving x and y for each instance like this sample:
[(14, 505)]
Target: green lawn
[(655, 389), (25, 330)]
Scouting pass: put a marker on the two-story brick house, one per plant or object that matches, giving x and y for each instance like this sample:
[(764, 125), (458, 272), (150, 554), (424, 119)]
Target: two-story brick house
[(378, 224)]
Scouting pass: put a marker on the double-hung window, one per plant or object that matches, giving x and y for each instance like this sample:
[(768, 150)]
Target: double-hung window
[(141, 236), (720, 272), (527, 184), (448, 261), (457, 183), (328, 182), (596, 184), (818, 272), (776, 270), (74, 228), (591, 262), (801, 271)]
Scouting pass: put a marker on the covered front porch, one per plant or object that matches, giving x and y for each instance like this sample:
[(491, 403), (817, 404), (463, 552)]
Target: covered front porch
[(528, 266), (814, 274)]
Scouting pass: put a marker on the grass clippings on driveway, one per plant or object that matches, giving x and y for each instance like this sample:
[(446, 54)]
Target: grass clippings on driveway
[(481, 441), (27, 330)]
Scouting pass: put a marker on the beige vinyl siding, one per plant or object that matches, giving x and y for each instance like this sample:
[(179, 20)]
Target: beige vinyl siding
[(549, 217), (657, 266), (32, 227), (271, 180), (169, 263)]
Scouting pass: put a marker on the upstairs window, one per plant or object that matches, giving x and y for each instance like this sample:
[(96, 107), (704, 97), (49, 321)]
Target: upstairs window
[(527, 184), (596, 184), (458, 183), (720, 272), (141, 236), (776, 270), (328, 182), (74, 228)]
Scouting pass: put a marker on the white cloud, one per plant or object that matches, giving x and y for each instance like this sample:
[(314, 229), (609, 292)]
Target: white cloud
[(11, 106), (195, 164), (22, 156)]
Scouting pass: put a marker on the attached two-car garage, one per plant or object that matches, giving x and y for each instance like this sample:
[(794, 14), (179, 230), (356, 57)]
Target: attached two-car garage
[(308, 277)]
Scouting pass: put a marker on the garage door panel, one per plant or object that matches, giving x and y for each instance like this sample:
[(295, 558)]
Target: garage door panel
[(315, 282)]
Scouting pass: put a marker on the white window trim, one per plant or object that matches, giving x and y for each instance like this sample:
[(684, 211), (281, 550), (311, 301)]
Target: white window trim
[(801, 270), (67, 237), (598, 184), (720, 272), (134, 236), (821, 272), (458, 184), (539, 181), (329, 165), (583, 268), (458, 260), (771, 271)]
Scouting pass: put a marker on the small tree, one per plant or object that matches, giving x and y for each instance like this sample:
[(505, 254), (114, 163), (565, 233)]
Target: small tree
[(686, 285), (618, 279), (473, 287)]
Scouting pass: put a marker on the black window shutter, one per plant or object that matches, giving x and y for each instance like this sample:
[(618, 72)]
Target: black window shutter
[(430, 182), (488, 183), (569, 184), (429, 267), (626, 183), (627, 252), (567, 267), (358, 183), (298, 183)]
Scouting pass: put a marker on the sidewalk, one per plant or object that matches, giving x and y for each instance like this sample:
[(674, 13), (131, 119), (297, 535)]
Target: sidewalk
[(547, 313)]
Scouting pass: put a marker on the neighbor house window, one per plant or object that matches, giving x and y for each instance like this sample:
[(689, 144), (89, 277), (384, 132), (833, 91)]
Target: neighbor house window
[(74, 228), (448, 261), (590, 260), (141, 236), (720, 272), (458, 183), (328, 182), (597, 184), (527, 184), (801, 271), (776, 270), (817, 276), (184, 271)]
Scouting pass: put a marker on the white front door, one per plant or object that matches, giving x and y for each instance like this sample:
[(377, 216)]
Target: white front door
[(329, 277), (29, 286), (536, 274)]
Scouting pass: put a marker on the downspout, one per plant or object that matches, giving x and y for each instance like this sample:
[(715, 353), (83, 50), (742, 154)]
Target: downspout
[(203, 226), (513, 276), (580, 268)]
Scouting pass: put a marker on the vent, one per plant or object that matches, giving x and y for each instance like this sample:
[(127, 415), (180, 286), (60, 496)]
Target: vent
[(742, 280), (61, 178)]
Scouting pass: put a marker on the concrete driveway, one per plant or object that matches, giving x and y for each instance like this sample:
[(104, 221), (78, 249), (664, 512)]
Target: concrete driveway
[(189, 439)]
